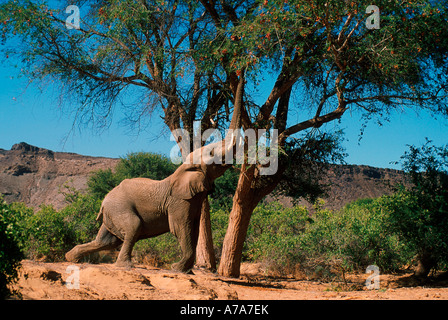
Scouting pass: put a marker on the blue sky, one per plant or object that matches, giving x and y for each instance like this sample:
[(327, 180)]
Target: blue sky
[(32, 116)]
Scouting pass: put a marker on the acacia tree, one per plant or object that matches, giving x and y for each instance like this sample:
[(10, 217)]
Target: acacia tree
[(419, 214), (122, 49), (189, 58), (323, 51)]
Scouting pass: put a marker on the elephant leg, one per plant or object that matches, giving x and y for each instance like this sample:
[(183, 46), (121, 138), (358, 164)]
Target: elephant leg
[(187, 233), (131, 233), (104, 241)]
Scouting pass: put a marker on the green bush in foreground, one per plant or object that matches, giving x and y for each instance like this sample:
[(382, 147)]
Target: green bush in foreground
[(51, 233), (10, 248)]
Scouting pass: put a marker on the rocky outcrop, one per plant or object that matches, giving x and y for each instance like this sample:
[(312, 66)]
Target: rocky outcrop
[(347, 183), (35, 175), (352, 182)]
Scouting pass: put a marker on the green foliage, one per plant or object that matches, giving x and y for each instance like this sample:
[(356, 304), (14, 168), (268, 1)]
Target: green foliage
[(101, 182), (420, 214), (306, 161), (353, 238), (219, 219), (222, 195), (51, 233), (80, 218), (10, 246), (16, 215), (323, 41), (138, 164), (274, 235), (291, 239), (145, 165), (159, 252), (48, 236)]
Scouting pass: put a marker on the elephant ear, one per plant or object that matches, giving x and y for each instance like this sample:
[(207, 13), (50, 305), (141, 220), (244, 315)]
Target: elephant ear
[(188, 184)]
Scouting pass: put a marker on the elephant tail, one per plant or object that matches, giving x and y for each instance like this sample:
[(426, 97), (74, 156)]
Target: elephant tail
[(100, 214)]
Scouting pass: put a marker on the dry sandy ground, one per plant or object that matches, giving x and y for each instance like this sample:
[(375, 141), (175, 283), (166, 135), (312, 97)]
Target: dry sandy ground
[(40, 280)]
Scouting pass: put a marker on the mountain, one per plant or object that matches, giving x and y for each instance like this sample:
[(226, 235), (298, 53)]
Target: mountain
[(35, 175)]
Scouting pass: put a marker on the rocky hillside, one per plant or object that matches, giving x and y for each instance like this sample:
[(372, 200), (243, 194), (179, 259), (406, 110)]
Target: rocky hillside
[(35, 176), (351, 182)]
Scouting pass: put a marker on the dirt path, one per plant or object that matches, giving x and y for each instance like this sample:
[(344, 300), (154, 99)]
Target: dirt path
[(40, 280)]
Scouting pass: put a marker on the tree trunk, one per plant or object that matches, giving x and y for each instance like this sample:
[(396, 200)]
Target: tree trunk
[(205, 254), (424, 265), (243, 206)]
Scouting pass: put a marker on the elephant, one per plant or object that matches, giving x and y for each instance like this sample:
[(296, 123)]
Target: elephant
[(141, 208)]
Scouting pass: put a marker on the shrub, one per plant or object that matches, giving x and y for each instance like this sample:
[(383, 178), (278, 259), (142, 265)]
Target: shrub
[(146, 165), (219, 219), (353, 238), (51, 233), (80, 218), (288, 240), (101, 182), (16, 215), (274, 234), (48, 236), (222, 195), (424, 230), (10, 248), (161, 251)]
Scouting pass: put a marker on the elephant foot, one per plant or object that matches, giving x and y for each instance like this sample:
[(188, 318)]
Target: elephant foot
[(128, 265), (181, 268), (71, 256)]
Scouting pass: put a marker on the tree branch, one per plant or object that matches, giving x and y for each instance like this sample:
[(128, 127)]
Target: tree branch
[(312, 123)]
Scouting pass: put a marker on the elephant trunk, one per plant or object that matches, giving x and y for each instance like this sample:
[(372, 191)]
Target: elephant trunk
[(233, 134)]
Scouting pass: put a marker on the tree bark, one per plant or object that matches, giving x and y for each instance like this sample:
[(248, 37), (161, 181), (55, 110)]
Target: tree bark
[(243, 206), (425, 262), (205, 254)]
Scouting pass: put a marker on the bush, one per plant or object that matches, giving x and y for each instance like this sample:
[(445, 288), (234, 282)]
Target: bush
[(80, 218), (419, 214), (424, 230), (219, 219), (161, 251), (10, 257), (274, 234), (101, 182), (51, 233), (11, 240), (48, 236), (145, 165), (289, 240), (222, 195), (353, 238)]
